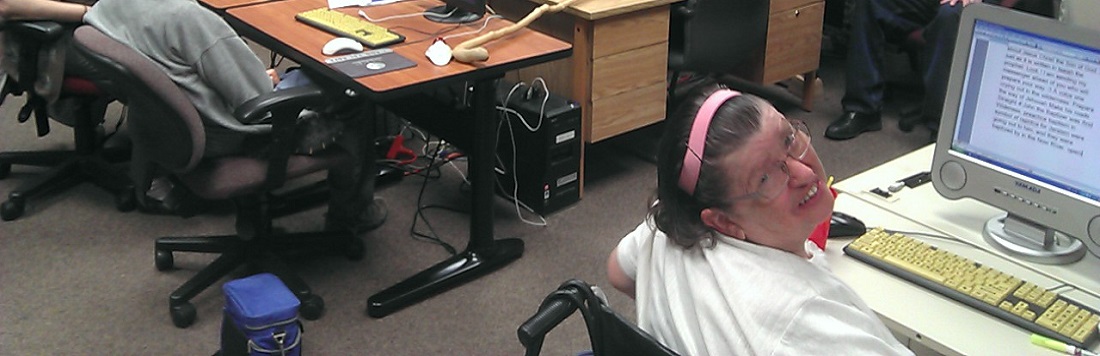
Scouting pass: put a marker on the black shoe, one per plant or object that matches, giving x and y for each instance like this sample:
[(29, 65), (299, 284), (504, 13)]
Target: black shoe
[(851, 124), (172, 199)]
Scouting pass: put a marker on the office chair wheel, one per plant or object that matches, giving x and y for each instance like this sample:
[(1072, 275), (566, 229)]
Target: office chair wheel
[(312, 307), (12, 209), (164, 260), (126, 201), (183, 315), (5, 169), (356, 249)]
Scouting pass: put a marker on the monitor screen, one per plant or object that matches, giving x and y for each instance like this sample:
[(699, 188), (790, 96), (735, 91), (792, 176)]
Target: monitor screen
[(1020, 131)]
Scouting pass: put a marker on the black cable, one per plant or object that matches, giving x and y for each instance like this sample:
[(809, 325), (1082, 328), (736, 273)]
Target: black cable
[(433, 238), (275, 60)]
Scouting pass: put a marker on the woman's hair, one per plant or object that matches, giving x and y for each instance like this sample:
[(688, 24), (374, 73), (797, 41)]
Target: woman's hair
[(676, 212)]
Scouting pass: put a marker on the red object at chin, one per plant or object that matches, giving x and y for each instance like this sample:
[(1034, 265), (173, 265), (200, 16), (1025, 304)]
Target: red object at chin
[(821, 232)]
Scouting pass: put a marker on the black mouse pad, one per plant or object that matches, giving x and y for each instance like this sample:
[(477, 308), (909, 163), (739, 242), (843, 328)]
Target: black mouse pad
[(372, 62)]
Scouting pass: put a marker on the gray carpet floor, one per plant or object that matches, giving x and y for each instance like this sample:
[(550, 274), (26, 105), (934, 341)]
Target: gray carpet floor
[(77, 276)]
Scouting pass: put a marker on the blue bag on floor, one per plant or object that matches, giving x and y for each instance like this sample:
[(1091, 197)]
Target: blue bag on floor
[(264, 314)]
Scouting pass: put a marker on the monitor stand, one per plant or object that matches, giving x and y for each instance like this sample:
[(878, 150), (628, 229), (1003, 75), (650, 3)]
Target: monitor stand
[(1032, 242), (450, 14)]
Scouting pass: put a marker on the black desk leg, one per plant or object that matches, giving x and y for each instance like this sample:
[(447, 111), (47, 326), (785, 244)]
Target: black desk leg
[(483, 253)]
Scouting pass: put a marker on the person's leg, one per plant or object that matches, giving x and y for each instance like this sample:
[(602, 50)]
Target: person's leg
[(940, 35), (873, 23), (352, 204)]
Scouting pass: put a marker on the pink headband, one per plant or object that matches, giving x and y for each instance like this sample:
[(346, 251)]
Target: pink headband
[(689, 173)]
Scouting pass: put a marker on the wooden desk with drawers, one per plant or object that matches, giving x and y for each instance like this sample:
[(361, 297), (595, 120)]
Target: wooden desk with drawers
[(619, 67), (792, 47)]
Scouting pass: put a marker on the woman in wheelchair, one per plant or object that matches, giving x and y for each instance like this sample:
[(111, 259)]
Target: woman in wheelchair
[(722, 265)]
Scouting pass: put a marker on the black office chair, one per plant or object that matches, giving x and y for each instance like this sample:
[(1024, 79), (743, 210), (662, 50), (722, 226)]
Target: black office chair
[(89, 160), (609, 332), (714, 37), (168, 136)]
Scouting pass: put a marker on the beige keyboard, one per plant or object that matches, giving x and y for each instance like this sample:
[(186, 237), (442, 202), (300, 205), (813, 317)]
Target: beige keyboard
[(1025, 304), (341, 24)]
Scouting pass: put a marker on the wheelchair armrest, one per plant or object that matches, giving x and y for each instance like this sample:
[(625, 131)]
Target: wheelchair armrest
[(37, 31), (293, 100), (550, 314)]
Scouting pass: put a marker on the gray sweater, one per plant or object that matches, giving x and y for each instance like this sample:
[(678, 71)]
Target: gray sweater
[(200, 52)]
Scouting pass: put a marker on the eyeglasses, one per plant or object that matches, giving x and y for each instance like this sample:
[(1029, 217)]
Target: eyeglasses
[(775, 178)]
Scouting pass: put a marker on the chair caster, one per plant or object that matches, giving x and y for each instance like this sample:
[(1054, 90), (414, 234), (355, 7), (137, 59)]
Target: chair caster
[(164, 260), (356, 250), (183, 315), (5, 169), (312, 307), (12, 209), (126, 201)]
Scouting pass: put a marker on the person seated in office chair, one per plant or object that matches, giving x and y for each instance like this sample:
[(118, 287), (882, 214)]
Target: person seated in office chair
[(722, 264), (218, 71), (56, 61), (930, 24), (873, 22)]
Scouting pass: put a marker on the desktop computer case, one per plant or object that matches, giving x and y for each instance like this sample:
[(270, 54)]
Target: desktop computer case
[(547, 161)]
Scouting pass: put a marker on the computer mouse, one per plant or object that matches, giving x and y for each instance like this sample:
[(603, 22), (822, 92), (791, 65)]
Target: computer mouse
[(844, 225), (341, 45)]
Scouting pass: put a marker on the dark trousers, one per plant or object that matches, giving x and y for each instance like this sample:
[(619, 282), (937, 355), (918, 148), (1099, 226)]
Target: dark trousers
[(873, 24)]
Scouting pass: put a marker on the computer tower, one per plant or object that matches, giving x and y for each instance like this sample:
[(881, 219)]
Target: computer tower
[(541, 166)]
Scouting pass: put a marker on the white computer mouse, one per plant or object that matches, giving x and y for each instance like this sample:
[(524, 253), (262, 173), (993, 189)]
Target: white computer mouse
[(439, 53), (341, 45)]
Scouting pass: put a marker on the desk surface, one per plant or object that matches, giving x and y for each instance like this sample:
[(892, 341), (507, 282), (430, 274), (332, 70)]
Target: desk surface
[(940, 323), (598, 9), (225, 4), (276, 19)]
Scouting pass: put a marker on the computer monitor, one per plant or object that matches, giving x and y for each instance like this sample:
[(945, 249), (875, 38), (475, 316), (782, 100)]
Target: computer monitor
[(457, 11), (1021, 131)]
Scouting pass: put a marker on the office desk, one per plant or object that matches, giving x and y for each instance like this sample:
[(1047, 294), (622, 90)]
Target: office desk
[(792, 46), (923, 316), (619, 64), (404, 91), (221, 5)]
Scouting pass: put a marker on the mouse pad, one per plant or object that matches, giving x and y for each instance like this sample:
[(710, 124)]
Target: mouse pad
[(370, 62)]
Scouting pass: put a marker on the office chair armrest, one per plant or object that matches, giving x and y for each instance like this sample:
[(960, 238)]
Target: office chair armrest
[(284, 107), (38, 31), (292, 100)]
